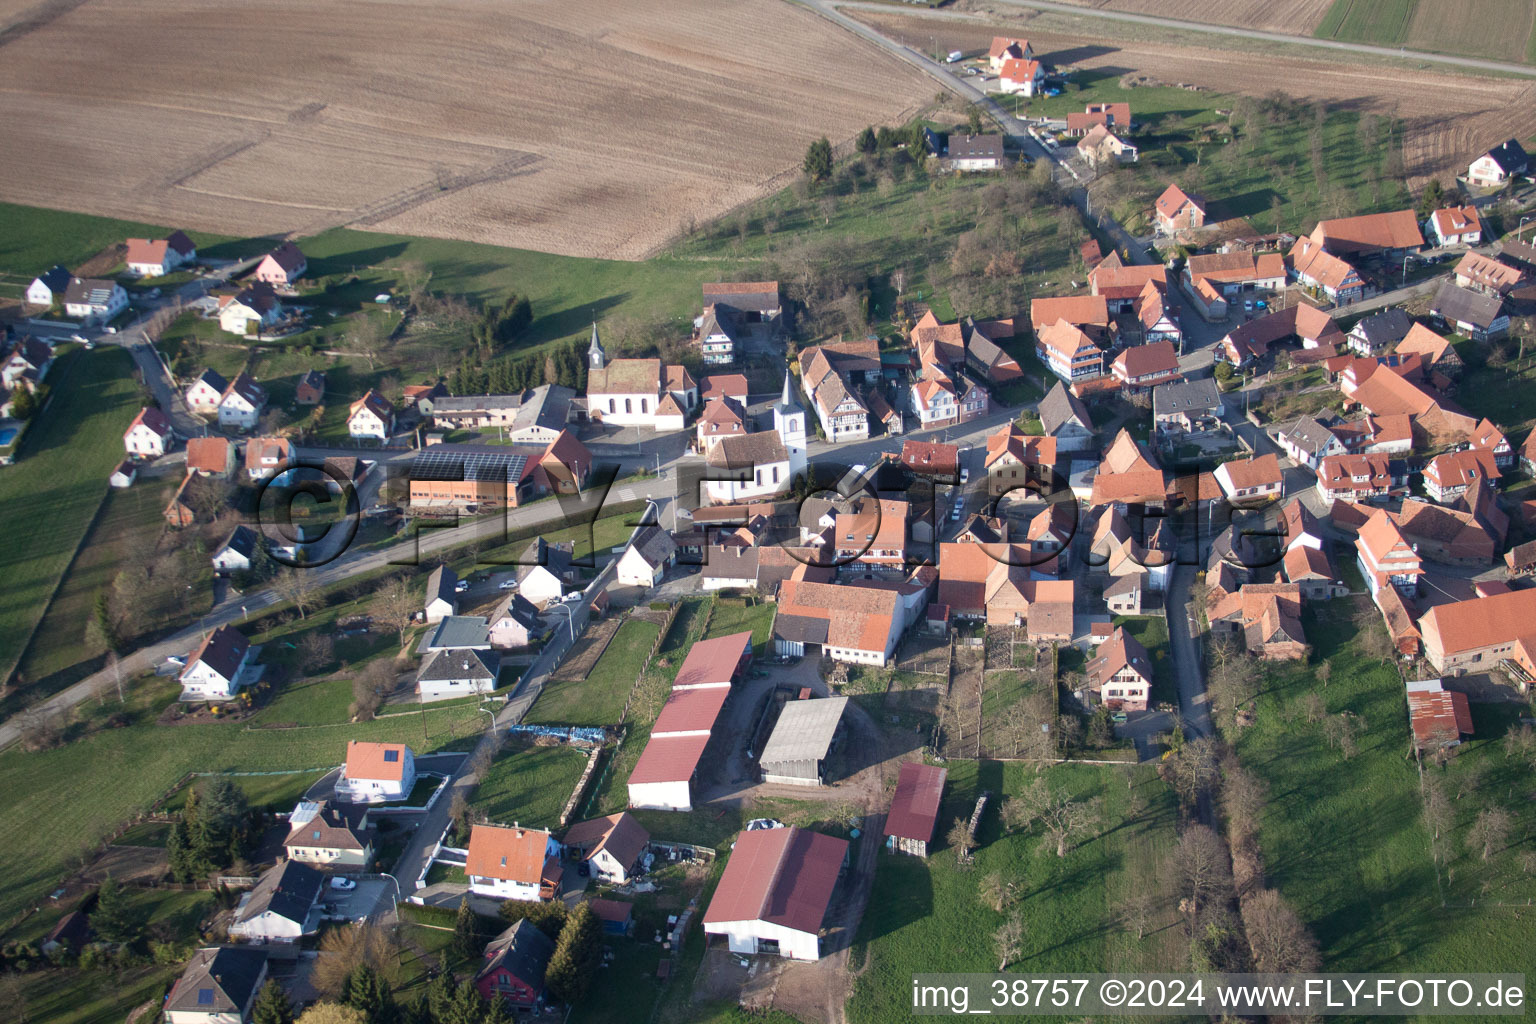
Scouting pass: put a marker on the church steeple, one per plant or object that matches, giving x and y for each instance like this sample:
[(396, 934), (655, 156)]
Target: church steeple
[(787, 401), (596, 357)]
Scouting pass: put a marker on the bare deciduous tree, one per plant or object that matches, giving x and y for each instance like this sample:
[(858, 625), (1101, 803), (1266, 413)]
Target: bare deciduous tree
[(1203, 869), (1242, 797), (1489, 831), (1194, 768), (1065, 821), (1136, 910), (1023, 809), (316, 651), (961, 841), (997, 892), (1520, 743), (1314, 707), (1279, 940), (1439, 812), (396, 606), (297, 587), (1008, 940)]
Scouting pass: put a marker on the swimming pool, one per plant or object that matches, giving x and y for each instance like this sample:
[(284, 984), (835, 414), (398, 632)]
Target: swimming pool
[(7, 435)]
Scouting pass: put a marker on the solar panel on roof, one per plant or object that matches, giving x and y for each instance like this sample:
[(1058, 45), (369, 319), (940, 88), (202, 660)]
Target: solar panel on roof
[(462, 465), (391, 755), (205, 997)]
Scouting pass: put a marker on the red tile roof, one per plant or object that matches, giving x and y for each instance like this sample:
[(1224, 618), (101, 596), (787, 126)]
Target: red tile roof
[(1396, 230), (510, 854), (368, 761)]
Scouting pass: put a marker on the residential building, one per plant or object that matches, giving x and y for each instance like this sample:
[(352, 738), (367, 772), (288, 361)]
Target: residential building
[(1317, 268), (1482, 633), (235, 554), (724, 385), (376, 773), (1376, 435), (1233, 273), (513, 863), (241, 405), (1120, 673), (1353, 477), (1102, 146), (371, 417), (310, 390), (1379, 332), (662, 778), (613, 847), (281, 267), (914, 813), (723, 416), (843, 417), (930, 458), (206, 392), (457, 673), (717, 336), (1090, 312), (1438, 717), (775, 891), (979, 152), (211, 456), (218, 667), (1177, 210), (1017, 76), (283, 907), (1385, 556), (330, 835), (1251, 481), (1069, 352), (935, 402), (1498, 165), (802, 738), (442, 599), (150, 435), (1187, 407), (1435, 353), (514, 623), (93, 300), (746, 467), (1311, 570), (1142, 367), (847, 623), (1456, 225), (1488, 437), (1388, 234), (1267, 617), (250, 310), (1005, 49), (1128, 475), (1121, 285), (1015, 459), (514, 965), (1488, 275), (1064, 418), (754, 302), (265, 457), (218, 986), (1448, 476), (48, 288), (1453, 536), (647, 557), (1110, 115), (1472, 314), (545, 571)]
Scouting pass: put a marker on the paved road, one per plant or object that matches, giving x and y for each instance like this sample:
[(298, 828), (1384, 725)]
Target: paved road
[(1277, 37)]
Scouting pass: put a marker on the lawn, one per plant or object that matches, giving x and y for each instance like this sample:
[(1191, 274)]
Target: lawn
[(600, 698), (926, 915), (529, 786), (112, 774), (1367, 21), (1152, 632), (1504, 393), (35, 239), (741, 615), (1368, 890), (57, 485)]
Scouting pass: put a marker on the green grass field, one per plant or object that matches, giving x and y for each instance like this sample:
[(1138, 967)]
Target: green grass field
[(58, 483), (925, 915), (600, 698), (1344, 841), (738, 616), (529, 786), (1367, 21), (35, 239), (111, 774)]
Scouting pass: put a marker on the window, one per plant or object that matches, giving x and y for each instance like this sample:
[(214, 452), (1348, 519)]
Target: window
[(205, 997), (391, 756), (627, 407)]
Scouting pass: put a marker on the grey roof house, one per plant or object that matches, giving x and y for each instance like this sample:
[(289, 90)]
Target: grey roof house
[(1190, 405), (283, 907), (1064, 417), (442, 598), (218, 986), (457, 673)]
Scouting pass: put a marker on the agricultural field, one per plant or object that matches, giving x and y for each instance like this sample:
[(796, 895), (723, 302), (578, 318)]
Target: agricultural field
[(1296, 17), (529, 785), (629, 120), (62, 467), (1373, 893), (927, 915), (1369, 21), (1448, 118)]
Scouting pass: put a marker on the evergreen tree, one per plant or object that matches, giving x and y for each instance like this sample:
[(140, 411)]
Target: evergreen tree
[(866, 141), (112, 919), (973, 119), (272, 1006), (497, 1013), (442, 990), (466, 1008), (548, 918), (818, 160), (577, 956), (365, 990), (101, 615), (466, 932)]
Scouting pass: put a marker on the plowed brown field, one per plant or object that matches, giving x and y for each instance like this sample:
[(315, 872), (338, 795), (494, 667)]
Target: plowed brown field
[(1448, 118), (585, 127)]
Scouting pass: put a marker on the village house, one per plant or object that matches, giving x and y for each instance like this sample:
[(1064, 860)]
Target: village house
[(1102, 146), (92, 300), (1018, 76), (513, 863), (156, 257), (723, 416), (1456, 225), (1472, 314), (457, 673), (371, 417), (842, 416), (332, 836), (647, 558), (730, 310), (1064, 418), (1385, 556), (775, 891), (1311, 571), (846, 623), (1435, 353), (218, 986), (1231, 274), (1142, 367), (235, 554), (613, 847), (1120, 285), (1488, 437), (1355, 478), (310, 389), (26, 365), (1128, 475), (47, 289), (150, 435), (1015, 459), (976, 152), (1498, 165), (513, 966), (1110, 115), (749, 466), (1069, 353), (1266, 617), (206, 392), (376, 773), (545, 571), (1177, 210), (241, 405), (1004, 48), (514, 623), (281, 267), (1379, 332), (211, 456), (914, 813), (1089, 312), (662, 778), (930, 458), (219, 667), (1001, 584), (1376, 435), (250, 311), (1386, 234), (1488, 275), (1449, 475), (1452, 536), (1251, 481), (1317, 268), (1483, 634), (1187, 407), (265, 457), (283, 908), (1120, 673)]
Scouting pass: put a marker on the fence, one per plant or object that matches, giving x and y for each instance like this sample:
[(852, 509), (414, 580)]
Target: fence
[(581, 787), (660, 638), (576, 735)]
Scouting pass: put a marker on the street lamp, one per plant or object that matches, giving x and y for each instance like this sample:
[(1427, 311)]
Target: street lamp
[(1521, 226), (1405, 269), (569, 620)]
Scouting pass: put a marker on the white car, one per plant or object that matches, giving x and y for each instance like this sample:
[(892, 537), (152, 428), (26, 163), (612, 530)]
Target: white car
[(343, 884), (461, 586), (507, 585), (571, 598), (77, 337), (109, 330)]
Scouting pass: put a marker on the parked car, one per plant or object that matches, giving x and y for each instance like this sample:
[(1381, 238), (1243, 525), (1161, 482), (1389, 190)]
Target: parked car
[(343, 884), (109, 330), (461, 586), (77, 337), (1248, 305), (507, 585)]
